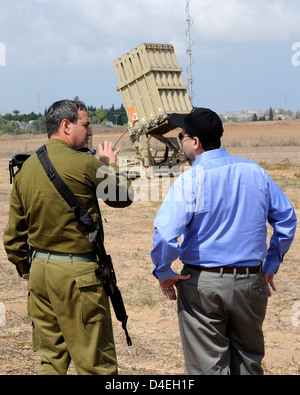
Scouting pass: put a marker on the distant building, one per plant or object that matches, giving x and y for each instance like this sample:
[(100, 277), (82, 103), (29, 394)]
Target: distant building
[(242, 115)]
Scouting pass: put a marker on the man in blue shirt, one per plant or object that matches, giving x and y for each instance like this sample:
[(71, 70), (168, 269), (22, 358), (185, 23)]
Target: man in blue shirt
[(220, 208)]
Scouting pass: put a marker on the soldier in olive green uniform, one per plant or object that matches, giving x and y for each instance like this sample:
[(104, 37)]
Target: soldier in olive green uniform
[(67, 303)]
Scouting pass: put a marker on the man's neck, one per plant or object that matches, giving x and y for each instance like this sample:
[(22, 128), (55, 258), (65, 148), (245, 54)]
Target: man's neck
[(57, 136)]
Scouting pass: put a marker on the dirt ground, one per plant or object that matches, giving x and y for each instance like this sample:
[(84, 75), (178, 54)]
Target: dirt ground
[(152, 321)]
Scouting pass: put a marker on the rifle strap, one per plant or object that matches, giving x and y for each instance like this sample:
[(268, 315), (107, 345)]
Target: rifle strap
[(82, 215), (55, 178)]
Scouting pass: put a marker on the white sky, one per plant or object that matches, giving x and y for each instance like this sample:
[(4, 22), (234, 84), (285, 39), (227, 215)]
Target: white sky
[(59, 49)]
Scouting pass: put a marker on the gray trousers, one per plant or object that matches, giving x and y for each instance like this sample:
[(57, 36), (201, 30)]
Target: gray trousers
[(220, 321)]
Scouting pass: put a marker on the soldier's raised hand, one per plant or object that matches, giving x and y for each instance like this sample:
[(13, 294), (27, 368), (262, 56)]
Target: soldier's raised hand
[(106, 153)]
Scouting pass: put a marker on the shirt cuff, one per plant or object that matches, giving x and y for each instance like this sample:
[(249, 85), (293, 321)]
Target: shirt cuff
[(270, 268), (163, 276)]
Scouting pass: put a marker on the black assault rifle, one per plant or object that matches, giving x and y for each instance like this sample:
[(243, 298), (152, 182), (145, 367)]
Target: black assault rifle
[(105, 272)]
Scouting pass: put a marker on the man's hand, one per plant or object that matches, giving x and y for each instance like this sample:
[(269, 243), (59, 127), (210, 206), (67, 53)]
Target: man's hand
[(168, 287), (106, 153), (269, 281)]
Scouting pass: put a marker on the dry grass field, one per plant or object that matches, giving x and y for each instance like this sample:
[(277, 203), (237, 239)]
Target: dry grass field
[(152, 320)]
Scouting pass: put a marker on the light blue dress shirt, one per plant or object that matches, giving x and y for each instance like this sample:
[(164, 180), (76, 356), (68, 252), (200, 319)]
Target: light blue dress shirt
[(220, 209)]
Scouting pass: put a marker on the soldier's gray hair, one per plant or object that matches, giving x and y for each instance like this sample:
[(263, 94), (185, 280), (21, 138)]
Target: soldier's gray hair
[(60, 110)]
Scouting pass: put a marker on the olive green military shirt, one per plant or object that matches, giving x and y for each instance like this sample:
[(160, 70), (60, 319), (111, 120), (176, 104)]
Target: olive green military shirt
[(40, 216)]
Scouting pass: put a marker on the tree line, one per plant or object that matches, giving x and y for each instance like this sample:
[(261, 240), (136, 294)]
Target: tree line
[(272, 115), (16, 123)]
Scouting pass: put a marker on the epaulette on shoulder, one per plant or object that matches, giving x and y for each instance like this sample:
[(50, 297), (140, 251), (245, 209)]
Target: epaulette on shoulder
[(16, 161)]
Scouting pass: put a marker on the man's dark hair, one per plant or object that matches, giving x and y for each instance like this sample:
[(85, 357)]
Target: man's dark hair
[(60, 110), (209, 145)]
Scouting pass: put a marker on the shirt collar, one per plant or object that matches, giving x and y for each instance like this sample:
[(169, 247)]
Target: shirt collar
[(58, 141), (210, 155)]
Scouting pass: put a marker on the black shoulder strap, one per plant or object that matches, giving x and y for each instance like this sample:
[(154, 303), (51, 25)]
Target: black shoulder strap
[(81, 213), (55, 178)]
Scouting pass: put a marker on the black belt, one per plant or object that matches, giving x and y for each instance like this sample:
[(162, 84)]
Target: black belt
[(227, 270)]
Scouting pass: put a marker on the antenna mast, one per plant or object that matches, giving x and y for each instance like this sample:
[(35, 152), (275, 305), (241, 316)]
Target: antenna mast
[(189, 51)]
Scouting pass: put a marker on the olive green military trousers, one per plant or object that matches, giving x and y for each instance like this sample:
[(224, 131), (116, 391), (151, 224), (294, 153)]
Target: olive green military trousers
[(71, 318)]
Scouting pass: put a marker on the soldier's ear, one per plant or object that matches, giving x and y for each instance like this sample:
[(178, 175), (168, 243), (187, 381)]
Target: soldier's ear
[(66, 126)]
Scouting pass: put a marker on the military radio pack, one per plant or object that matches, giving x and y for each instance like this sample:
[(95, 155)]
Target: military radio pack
[(16, 161)]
